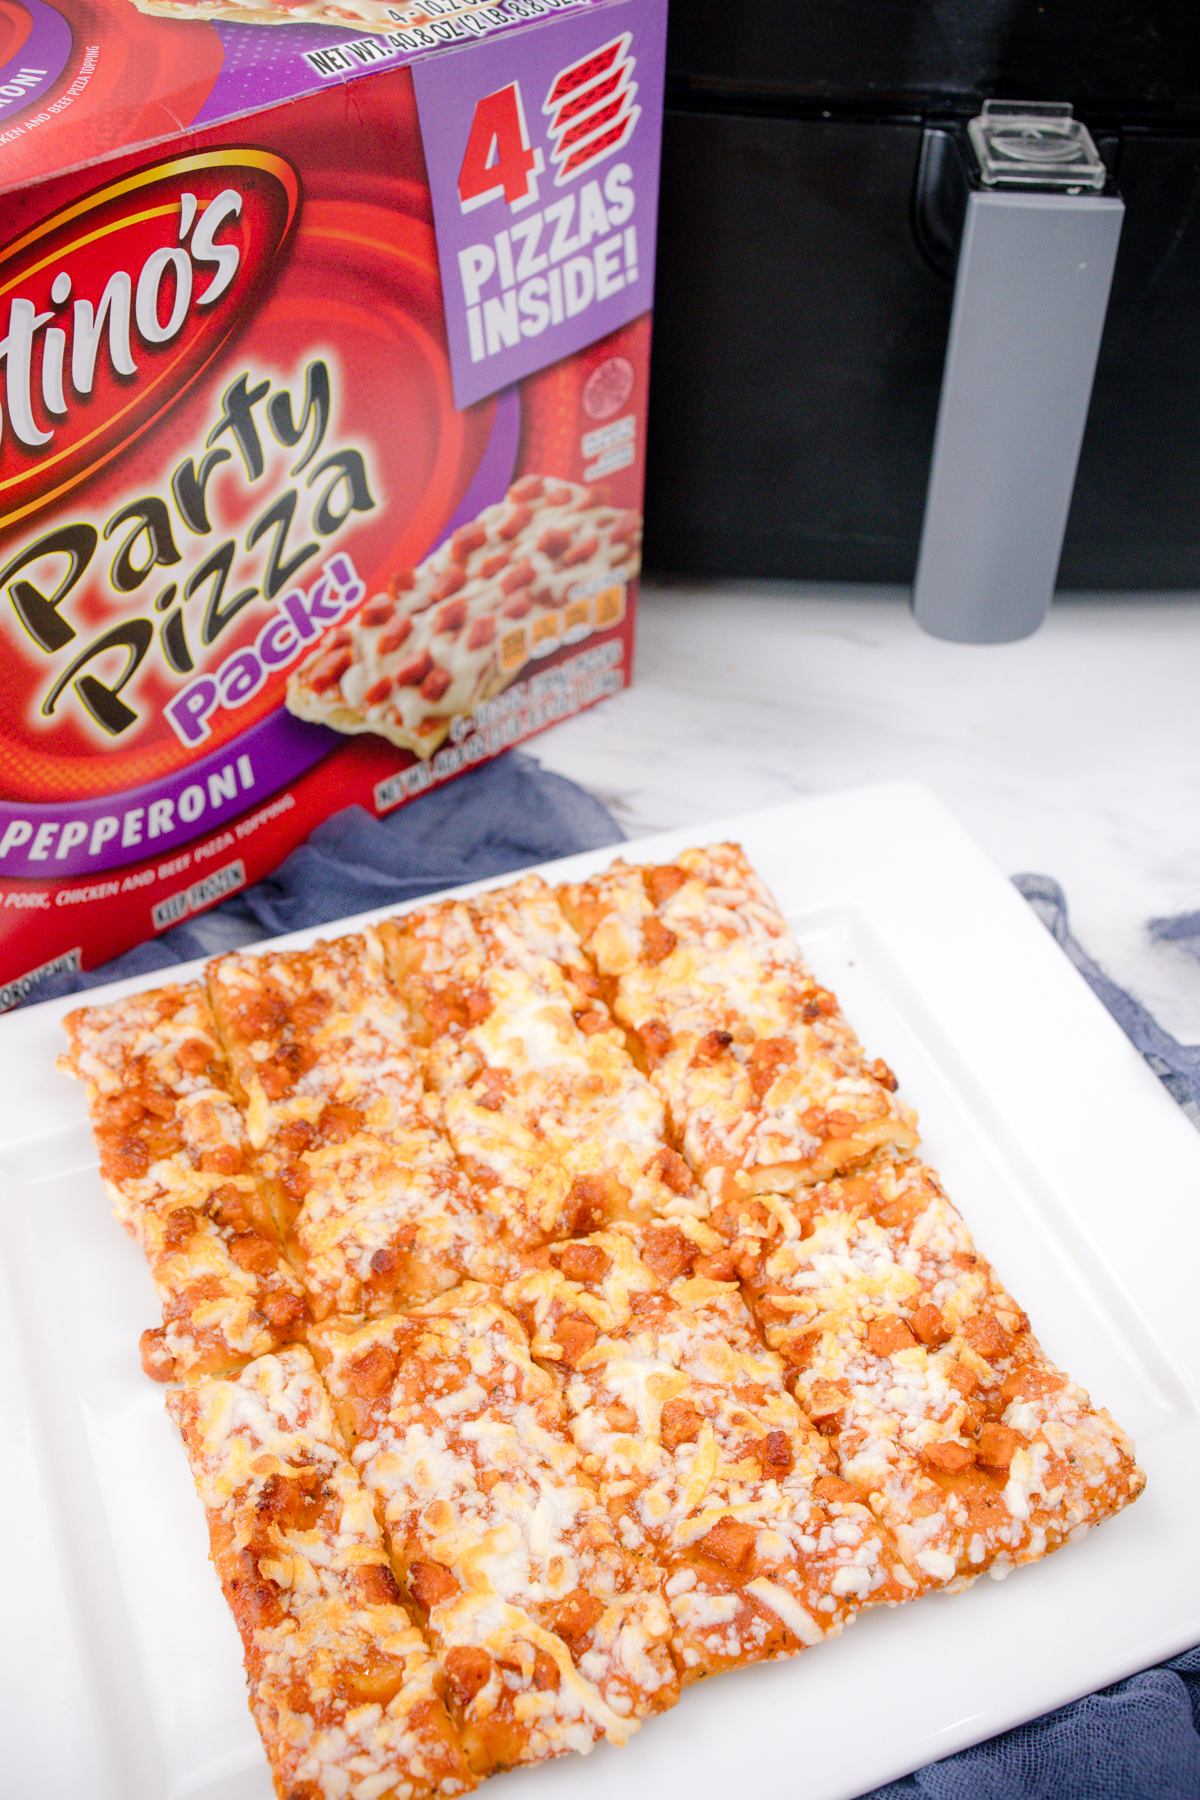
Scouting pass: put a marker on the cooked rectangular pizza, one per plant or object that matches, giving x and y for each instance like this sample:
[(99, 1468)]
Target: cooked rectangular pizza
[(701, 1455), (368, 1195), (342, 1683), (545, 566), (556, 1125), (551, 1633), (560, 1313), (180, 1173), (766, 1083), (906, 1351)]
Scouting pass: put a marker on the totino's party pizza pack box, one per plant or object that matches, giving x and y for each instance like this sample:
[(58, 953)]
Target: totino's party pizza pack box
[(325, 334)]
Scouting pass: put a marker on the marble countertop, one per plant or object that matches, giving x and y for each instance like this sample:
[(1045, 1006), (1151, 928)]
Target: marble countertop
[(1074, 754)]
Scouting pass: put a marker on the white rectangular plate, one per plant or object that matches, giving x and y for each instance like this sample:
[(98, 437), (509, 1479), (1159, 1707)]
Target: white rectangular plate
[(1077, 1174)]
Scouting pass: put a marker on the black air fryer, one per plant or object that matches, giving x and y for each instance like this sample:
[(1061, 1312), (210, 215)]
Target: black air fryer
[(814, 164)]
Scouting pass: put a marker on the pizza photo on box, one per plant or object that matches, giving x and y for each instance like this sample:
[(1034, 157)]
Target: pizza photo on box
[(546, 566), (373, 15)]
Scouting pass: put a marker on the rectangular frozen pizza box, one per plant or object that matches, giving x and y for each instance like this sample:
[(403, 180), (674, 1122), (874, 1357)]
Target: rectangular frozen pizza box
[(324, 333)]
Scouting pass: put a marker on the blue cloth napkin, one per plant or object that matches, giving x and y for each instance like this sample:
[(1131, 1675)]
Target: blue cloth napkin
[(1138, 1740), (500, 816), (1176, 1065)]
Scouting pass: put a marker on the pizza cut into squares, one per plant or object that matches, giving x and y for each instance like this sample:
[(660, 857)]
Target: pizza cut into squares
[(373, 1207), (343, 1688), (555, 1124), (530, 573), (551, 1634), (766, 1084), (180, 1173), (910, 1356), (697, 1448)]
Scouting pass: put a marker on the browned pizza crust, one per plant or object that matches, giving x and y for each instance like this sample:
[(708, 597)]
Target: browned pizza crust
[(645, 1345)]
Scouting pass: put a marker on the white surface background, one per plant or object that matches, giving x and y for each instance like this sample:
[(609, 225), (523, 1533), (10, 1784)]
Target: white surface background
[(1074, 754)]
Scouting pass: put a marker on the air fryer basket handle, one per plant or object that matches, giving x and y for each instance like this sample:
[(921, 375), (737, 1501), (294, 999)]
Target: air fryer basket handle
[(1031, 291)]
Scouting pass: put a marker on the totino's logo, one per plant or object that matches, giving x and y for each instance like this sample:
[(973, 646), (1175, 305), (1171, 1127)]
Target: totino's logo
[(113, 307)]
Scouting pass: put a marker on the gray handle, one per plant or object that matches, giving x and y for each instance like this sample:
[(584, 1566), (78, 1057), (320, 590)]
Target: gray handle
[(1030, 297)]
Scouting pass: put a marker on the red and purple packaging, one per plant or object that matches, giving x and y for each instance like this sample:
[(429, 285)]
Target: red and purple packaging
[(322, 410)]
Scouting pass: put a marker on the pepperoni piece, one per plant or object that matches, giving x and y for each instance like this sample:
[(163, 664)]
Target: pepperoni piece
[(394, 637), (729, 1542), (718, 1267), (576, 1616), (834, 1491), (1031, 1382), (580, 552), (253, 1252), (590, 1203), (429, 1583), (930, 1326), (997, 1447), (517, 521), (466, 539), (372, 1373), (888, 1335), (328, 672), (375, 1585), (194, 1055), (987, 1337), (520, 604), (826, 1407), (668, 1252), (481, 634), (662, 882), (377, 694), (527, 488), (182, 1224), (467, 1670), (451, 618), (674, 1171), (949, 1458), (545, 1672), (559, 496), (378, 610), (553, 542), (339, 1123), (657, 941), (435, 684), (447, 583), (413, 672), (226, 1207), (520, 575), (624, 528), (402, 582), (590, 1022), (775, 1456), (226, 1159), (492, 565), (576, 1335), (584, 1262), (285, 1313), (679, 1423)]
